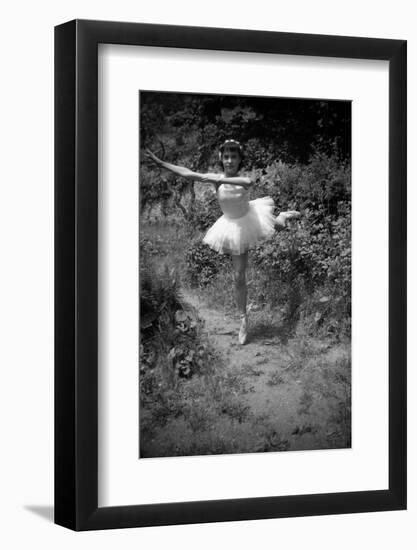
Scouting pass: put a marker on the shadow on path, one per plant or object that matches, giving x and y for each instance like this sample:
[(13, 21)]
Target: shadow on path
[(260, 331)]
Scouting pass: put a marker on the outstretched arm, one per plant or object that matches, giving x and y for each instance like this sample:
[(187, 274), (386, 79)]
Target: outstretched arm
[(179, 170), (217, 178), (197, 176)]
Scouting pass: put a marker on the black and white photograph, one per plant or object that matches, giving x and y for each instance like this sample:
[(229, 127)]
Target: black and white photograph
[(208, 281), (244, 274)]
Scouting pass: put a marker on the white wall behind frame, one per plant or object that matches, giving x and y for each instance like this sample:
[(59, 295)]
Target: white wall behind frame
[(26, 223)]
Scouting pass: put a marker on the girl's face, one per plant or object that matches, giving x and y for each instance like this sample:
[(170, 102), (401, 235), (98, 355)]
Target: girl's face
[(231, 162)]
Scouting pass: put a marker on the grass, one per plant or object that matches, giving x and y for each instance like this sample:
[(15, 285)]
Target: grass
[(208, 407), (326, 384), (168, 242), (210, 412), (275, 379)]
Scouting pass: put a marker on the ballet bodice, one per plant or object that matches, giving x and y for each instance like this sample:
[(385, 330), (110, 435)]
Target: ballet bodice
[(233, 200)]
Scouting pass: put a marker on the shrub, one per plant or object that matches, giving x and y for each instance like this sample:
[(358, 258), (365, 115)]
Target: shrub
[(204, 212), (202, 263), (308, 269), (322, 185), (159, 297), (170, 331)]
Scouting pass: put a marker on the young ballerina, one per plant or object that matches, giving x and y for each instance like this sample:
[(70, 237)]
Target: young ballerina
[(244, 222)]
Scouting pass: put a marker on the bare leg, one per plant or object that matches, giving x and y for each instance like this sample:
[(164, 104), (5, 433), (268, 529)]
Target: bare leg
[(240, 263), (239, 272)]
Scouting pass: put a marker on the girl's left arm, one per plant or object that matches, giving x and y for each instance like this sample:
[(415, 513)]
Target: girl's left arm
[(220, 178), (238, 180)]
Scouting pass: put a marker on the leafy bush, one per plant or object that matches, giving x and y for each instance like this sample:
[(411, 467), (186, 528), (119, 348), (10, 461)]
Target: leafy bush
[(304, 271), (307, 263), (320, 252), (202, 263), (205, 211), (321, 186), (147, 247), (159, 296), (170, 332)]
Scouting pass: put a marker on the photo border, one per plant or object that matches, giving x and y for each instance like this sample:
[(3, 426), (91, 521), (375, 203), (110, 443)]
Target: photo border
[(76, 274)]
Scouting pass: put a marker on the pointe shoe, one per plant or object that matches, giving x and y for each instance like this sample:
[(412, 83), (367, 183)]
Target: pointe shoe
[(292, 214), (243, 332), (282, 219)]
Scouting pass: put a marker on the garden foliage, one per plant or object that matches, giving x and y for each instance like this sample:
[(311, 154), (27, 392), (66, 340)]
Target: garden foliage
[(297, 152), (171, 339), (305, 269)]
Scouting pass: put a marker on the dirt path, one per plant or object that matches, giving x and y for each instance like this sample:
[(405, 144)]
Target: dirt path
[(274, 394), (271, 395)]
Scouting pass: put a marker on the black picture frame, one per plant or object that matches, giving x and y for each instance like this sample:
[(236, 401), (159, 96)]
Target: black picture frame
[(76, 272)]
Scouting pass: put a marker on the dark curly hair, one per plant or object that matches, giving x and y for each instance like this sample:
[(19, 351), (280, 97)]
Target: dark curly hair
[(233, 145)]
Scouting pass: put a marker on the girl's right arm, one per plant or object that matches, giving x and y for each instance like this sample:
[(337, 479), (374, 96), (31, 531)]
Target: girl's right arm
[(184, 172), (179, 170)]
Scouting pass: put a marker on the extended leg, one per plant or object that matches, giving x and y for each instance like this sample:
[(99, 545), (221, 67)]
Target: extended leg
[(281, 220), (239, 272)]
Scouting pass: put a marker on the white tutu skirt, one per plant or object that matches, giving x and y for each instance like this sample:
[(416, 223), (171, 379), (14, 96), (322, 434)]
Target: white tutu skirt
[(237, 235)]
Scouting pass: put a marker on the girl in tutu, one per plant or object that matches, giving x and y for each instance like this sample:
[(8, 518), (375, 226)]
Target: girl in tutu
[(244, 222)]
